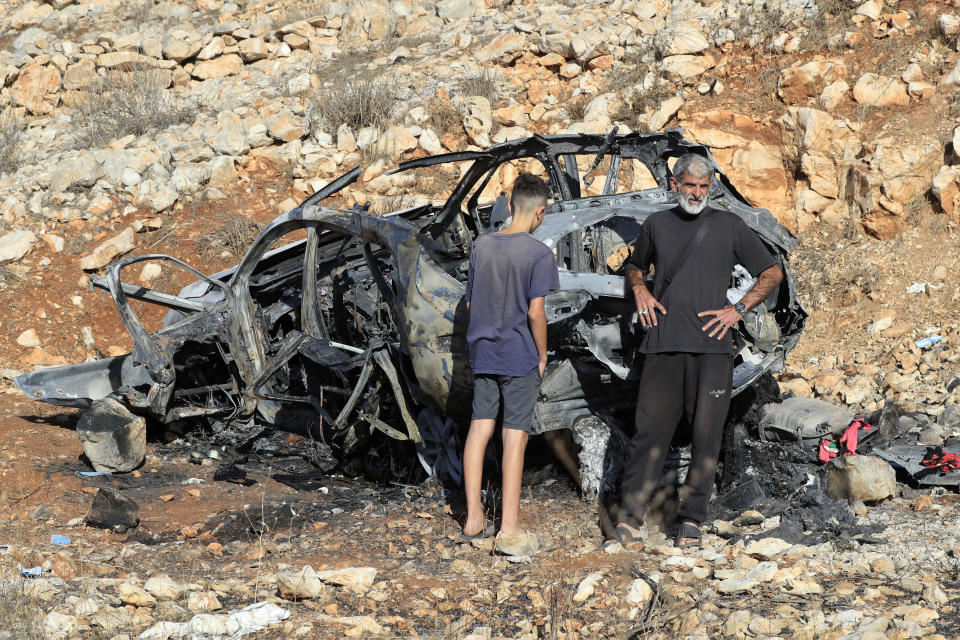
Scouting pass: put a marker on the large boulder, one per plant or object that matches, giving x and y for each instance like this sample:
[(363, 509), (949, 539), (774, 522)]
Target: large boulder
[(108, 250), (946, 188), (36, 88), (803, 82), (874, 90), (113, 439), (79, 171), (503, 49), (857, 477), (686, 68), (681, 38), (477, 118), (226, 65), (16, 244)]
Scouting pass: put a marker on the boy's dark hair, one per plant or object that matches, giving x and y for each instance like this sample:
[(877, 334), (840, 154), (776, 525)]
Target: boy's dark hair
[(529, 192)]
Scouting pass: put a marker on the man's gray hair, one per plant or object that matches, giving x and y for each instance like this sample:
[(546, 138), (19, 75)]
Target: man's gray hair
[(693, 165)]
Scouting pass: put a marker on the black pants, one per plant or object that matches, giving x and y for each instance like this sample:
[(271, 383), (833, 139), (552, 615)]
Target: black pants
[(674, 385)]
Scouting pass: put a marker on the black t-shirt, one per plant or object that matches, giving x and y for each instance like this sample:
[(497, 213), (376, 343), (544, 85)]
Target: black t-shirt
[(701, 283)]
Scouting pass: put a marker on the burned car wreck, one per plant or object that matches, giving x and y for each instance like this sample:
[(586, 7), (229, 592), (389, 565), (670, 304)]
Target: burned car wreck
[(357, 331)]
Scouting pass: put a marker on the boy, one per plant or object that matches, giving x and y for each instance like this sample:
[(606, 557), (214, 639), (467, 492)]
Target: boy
[(510, 273)]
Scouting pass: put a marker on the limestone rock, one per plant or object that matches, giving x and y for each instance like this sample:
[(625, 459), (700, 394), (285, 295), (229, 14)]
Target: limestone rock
[(833, 94), (946, 188), (639, 593), (253, 49), (860, 477), (285, 126), (300, 584), (29, 14), (79, 171), (759, 174), (395, 141), (134, 595), (682, 38), (357, 578), (225, 65), (799, 83), (503, 49), (181, 45), (36, 88), (28, 339), (880, 91), (162, 587), (686, 67), (454, 10), (668, 109), (108, 250), (203, 601), (587, 587), (766, 548), (113, 439), (588, 45), (477, 118), (16, 244)]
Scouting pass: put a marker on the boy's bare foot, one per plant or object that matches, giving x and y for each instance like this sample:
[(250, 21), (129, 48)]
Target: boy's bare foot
[(474, 526)]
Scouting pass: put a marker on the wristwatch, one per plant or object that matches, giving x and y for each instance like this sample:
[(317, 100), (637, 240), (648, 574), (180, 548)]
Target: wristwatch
[(740, 308)]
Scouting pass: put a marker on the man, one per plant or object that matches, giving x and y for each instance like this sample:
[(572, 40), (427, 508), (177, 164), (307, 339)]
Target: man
[(510, 273), (688, 363)]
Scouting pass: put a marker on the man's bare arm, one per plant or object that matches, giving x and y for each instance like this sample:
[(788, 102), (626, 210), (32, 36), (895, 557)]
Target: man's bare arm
[(647, 305), (725, 318), (537, 316)]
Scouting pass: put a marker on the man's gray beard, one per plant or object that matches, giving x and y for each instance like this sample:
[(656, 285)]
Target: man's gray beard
[(689, 207)]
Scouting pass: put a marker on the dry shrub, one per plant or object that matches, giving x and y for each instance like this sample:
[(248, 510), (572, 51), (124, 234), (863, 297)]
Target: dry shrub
[(11, 132), (233, 233), (133, 102), (577, 108), (484, 84), (355, 103), (138, 12), (19, 612), (445, 119)]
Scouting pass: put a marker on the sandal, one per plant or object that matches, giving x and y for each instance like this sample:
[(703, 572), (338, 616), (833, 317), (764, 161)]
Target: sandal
[(688, 529), (627, 538)]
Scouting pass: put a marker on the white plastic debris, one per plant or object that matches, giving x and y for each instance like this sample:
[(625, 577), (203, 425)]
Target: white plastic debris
[(235, 624)]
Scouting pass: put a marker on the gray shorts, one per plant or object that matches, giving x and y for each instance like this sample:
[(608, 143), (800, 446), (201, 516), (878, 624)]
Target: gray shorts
[(519, 397)]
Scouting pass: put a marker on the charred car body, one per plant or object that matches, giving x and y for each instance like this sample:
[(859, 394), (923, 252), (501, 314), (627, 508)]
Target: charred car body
[(360, 327)]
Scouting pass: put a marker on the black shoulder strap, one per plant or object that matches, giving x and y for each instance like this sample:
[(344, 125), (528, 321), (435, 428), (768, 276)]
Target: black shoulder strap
[(663, 281)]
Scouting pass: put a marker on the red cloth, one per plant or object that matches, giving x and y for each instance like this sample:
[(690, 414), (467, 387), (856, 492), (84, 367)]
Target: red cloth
[(849, 438), (937, 458), (828, 451)]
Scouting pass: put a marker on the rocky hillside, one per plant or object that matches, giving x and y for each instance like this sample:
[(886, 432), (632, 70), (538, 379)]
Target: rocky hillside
[(177, 127)]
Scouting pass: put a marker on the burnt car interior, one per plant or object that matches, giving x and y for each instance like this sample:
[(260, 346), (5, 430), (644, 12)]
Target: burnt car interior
[(358, 329)]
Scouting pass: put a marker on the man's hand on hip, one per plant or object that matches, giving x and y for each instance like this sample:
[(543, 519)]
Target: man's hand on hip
[(647, 307), (722, 320)]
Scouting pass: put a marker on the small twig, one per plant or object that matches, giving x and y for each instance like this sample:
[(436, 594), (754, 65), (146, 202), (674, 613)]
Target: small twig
[(16, 500), (165, 236)]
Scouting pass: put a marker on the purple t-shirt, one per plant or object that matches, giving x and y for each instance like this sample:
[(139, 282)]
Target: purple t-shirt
[(507, 271)]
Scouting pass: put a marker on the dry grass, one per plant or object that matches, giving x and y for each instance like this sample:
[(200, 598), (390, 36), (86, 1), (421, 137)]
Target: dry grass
[(138, 12), (233, 233), (127, 102), (484, 84), (11, 132), (445, 119), (832, 17), (19, 612), (355, 103)]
